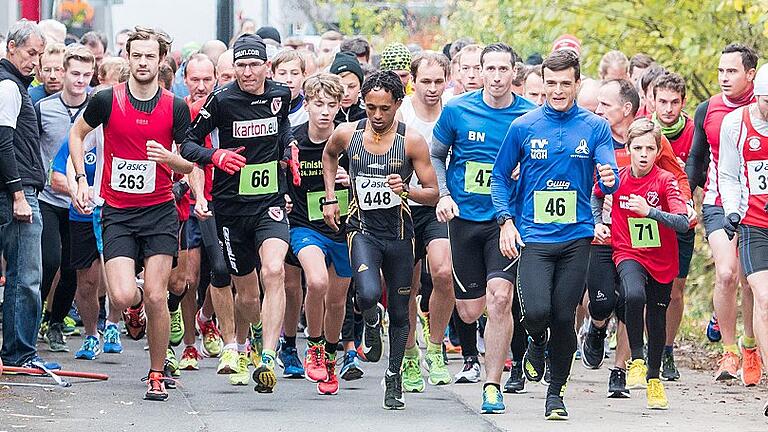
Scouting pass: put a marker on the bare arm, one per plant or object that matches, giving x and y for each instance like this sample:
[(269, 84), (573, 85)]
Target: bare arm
[(77, 153), (418, 151), (335, 145)]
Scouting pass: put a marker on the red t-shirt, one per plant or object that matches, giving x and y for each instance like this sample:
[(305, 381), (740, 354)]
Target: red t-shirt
[(755, 153), (682, 144), (194, 109), (652, 244)]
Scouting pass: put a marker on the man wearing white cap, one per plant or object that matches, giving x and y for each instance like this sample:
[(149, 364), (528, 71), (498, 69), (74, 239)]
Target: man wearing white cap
[(744, 191)]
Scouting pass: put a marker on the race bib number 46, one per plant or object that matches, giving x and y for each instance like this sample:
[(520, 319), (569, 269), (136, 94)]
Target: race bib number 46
[(315, 208), (258, 179), (477, 177), (374, 193), (644, 233), (758, 177), (554, 207), (133, 176)]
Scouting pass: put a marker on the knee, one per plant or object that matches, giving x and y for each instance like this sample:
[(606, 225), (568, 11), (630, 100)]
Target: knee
[(601, 311), (220, 280), (121, 299), (152, 298), (635, 299), (536, 319), (317, 284), (272, 270), (442, 277), (727, 276), (500, 303)]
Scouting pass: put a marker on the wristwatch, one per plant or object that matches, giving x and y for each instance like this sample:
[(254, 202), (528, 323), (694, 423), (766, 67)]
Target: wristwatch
[(406, 191), (79, 176), (501, 220)]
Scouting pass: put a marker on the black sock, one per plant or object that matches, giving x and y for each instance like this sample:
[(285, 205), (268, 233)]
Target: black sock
[(103, 307), (314, 340), (467, 336), (330, 348), (173, 301), (290, 341)]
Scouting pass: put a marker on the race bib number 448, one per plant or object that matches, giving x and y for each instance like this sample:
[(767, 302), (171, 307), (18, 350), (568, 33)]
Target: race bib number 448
[(133, 176), (374, 193)]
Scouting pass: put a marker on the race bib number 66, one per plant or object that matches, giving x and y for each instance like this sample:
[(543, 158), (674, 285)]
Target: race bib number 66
[(133, 176)]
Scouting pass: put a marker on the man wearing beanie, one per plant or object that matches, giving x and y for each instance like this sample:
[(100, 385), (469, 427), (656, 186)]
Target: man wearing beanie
[(346, 66), (251, 114), (744, 192), (397, 58)]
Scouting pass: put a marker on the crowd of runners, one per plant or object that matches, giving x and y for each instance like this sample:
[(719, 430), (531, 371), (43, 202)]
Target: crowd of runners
[(221, 198)]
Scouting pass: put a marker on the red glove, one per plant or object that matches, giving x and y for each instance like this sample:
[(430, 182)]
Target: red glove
[(229, 161), (293, 163)]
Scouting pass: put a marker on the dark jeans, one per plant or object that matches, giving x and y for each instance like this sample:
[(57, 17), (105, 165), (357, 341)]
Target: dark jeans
[(21, 299)]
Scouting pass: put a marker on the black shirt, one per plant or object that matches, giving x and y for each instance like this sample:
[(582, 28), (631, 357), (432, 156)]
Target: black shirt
[(260, 124), (311, 171), (354, 113)]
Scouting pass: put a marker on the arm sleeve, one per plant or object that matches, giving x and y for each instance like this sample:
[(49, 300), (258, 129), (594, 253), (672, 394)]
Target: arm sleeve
[(193, 146), (596, 203), (98, 109), (698, 158), (732, 184), (604, 155), (501, 176), (439, 153), (668, 161), (678, 222), (10, 106), (181, 120)]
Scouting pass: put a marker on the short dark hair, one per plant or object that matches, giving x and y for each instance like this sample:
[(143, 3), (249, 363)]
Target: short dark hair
[(561, 60), (627, 93), (500, 47), (430, 58), (670, 81), (748, 55), (146, 33), (639, 61), (385, 80), (93, 37), (357, 45), (521, 72), (654, 71)]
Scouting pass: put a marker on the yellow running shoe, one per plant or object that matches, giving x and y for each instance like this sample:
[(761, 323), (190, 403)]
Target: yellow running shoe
[(240, 376), (264, 374), (227, 362), (657, 397), (636, 372)]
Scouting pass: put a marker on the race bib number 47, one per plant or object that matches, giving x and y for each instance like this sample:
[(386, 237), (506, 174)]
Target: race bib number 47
[(133, 176), (258, 179), (374, 193), (554, 207), (477, 177), (758, 177)]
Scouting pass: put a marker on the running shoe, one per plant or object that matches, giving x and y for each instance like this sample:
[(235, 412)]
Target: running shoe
[(315, 366), (438, 372), (636, 373), (190, 359), (657, 397), (370, 348), (212, 342), (728, 367), (288, 359), (112, 343), (256, 344), (239, 376), (493, 401), (36, 361), (547, 370), (593, 347), (534, 362), (617, 384), (516, 381), (350, 367), (413, 382), (264, 375), (393, 391), (751, 367), (424, 320), (228, 362), (470, 373), (177, 327), (713, 330), (668, 367), (43, 329), (74, 314), (555, 408), (70, 327), (135, 322), (507, 364), (330, 386), (155, 387), (450, 348), (90, 349), (172, 362), (55, 338)]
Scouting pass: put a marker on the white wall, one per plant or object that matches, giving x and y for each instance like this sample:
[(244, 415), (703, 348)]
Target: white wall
[(185, 20)]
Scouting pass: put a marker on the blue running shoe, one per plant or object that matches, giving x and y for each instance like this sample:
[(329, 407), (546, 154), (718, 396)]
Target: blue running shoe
[(112, 343), (90, 349), (713, 330), (493, 401), (288, 359), (35, 361), (350, 368), (75, 315)]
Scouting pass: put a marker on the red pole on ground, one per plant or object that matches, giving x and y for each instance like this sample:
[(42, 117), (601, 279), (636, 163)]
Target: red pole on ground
[(73, 374)]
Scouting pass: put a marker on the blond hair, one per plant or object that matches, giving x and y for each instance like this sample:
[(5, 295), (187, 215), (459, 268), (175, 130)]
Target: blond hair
[(289, 56), (54, 48), (79, 53), (323, 84), (642, 127), (613, 58), (117, 66)]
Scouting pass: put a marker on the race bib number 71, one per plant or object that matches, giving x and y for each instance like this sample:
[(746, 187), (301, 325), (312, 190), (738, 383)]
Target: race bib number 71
[(133, 176)]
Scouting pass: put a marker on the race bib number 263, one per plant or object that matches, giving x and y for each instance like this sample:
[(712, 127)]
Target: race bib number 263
[(133, 176)]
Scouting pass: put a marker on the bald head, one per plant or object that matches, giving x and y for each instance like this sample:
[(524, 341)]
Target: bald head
[(587, 97), (53, 30), (213, 49), (225, 68)]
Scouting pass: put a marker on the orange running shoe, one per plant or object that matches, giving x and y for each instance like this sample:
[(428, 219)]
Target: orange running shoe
[(155, 387), (728, 367), (315, 368), (135, 322), (331, 385), (751, 368)]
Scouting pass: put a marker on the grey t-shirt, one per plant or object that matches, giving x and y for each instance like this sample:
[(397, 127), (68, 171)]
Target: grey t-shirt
[(55, 118)]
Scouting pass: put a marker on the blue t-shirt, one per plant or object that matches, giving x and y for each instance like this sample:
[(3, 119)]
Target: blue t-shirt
[(37, 93), (59, 165), (558, 152), (474, 132)]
